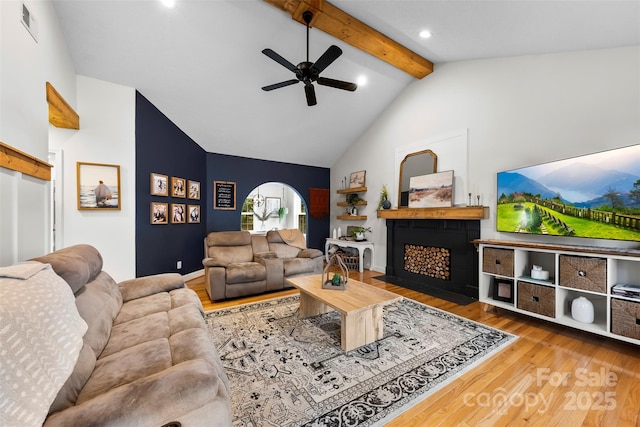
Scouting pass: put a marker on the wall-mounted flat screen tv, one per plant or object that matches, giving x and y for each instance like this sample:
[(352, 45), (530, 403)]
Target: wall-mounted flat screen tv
[(594, 196)]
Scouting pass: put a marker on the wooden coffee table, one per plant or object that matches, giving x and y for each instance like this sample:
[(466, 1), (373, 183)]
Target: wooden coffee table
[(360, 305)]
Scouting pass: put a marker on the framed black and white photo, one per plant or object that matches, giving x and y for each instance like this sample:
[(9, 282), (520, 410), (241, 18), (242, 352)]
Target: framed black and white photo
[(178, 213), (193, 214), (194, 190), (159, 213), (159, 184), (178, 187)]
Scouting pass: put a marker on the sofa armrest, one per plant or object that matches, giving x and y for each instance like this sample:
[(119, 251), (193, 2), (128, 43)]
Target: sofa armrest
[(310, 253), (213, 262), (149, 285), (258, 256)]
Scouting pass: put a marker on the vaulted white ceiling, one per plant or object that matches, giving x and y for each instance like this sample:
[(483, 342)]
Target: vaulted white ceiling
[(201, 64)]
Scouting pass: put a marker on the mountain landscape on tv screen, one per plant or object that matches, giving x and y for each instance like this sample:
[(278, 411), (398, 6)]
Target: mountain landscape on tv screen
[(574, 194)]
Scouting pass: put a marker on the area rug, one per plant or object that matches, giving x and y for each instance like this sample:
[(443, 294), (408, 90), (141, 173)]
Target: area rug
[(286, 371)]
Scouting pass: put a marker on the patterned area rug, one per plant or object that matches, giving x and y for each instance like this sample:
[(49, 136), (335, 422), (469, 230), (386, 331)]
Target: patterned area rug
[(286, 371)]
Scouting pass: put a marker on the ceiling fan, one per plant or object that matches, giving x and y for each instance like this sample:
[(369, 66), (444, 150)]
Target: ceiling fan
[(309, 72)]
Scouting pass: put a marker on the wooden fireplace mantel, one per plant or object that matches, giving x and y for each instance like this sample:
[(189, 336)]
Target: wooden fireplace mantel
[(459, 213)]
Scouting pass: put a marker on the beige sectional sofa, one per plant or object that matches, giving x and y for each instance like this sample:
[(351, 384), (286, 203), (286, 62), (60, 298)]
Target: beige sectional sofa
[(146, 358), (238, 263)]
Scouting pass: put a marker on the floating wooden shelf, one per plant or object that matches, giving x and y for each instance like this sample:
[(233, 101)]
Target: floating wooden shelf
[(461, 213), (348, 217), (352, 190), (360, 203)]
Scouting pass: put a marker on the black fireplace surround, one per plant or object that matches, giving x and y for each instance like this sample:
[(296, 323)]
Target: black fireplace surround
[(454, 235)]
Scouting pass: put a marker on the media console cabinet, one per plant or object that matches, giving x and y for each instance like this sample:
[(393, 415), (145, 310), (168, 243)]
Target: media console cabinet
[(574, 271)]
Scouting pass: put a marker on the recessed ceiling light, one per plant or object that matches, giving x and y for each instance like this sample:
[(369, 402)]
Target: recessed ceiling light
[(361, 80), (425, 34), (169, 3)]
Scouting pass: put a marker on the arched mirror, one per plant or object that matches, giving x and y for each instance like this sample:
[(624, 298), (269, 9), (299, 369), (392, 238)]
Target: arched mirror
[(414, 164), (271, 206)]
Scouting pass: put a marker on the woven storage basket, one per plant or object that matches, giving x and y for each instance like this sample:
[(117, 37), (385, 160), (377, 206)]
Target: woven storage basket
[(589, 274), (498, 261), (351, 261), (625, 318), (537, 298)]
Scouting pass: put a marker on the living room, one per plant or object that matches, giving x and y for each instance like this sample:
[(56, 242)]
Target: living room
[(511, 112)]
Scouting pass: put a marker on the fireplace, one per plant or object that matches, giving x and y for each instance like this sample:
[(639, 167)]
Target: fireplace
[(434, 254)]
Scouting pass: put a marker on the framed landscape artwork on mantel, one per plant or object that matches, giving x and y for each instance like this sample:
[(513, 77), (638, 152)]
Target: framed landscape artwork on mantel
[(431, 191)]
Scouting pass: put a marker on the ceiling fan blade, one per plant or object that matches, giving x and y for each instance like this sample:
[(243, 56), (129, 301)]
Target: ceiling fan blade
[(311, 94), (281, 84), (279, 59), (327, 58), (338, 84)]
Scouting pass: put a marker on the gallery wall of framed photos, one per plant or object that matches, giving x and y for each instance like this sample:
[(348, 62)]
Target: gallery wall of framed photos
[(174, 212)]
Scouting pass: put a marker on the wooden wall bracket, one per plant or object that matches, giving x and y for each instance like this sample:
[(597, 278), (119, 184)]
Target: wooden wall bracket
[(14, 159)]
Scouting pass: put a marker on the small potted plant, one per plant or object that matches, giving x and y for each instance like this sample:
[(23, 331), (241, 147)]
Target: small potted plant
[(358, 232), (384, 202), (352, 200)]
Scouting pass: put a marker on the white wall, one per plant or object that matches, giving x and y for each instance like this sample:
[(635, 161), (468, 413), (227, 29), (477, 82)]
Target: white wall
[(107, 136), (25, 67), (518, 111)]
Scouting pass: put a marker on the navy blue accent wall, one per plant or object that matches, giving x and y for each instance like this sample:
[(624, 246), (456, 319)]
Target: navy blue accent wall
[(161, 147), (249, 173)]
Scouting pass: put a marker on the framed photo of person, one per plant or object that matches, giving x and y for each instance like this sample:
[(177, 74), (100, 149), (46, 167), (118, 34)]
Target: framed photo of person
[(98, 186), (194, 190), (193, 214), (159, 184), (159, 213), (178, 187), (178, 213)]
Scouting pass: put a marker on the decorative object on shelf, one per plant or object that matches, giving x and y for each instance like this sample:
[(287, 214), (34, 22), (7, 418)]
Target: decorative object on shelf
[(98, 186), (384, 202), (335, 234), (352, 200), (502, 289), (339, 231), (357, 179), (358, 233), (538, 273), (335, 280), (431, 191), (582, 310)]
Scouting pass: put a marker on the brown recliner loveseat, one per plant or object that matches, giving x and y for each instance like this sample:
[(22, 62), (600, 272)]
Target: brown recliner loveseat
[(238, 263)]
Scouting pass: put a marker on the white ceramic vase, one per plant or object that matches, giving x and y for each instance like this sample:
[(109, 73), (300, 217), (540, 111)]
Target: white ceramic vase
[(582, 310)]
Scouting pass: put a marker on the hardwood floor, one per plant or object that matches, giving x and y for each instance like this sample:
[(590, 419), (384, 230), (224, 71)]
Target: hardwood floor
[(551, 376)]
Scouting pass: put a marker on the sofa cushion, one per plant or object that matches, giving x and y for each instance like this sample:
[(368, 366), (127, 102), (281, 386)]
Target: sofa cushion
[(137, 331), (243, 272), (310, 253), (145, 286), (68, 394), (141, 307), (296, 266), (126, 366)]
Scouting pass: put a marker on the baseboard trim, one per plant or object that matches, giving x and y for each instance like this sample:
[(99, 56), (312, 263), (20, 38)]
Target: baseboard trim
[(193, 275)]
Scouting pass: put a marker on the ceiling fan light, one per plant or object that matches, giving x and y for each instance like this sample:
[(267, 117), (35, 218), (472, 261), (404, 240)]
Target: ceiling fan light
[(169, 3), (361, 80), (425, 34)]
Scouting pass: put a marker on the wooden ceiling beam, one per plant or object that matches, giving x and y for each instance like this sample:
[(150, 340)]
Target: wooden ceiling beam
[(341, 25), (61, 114)]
